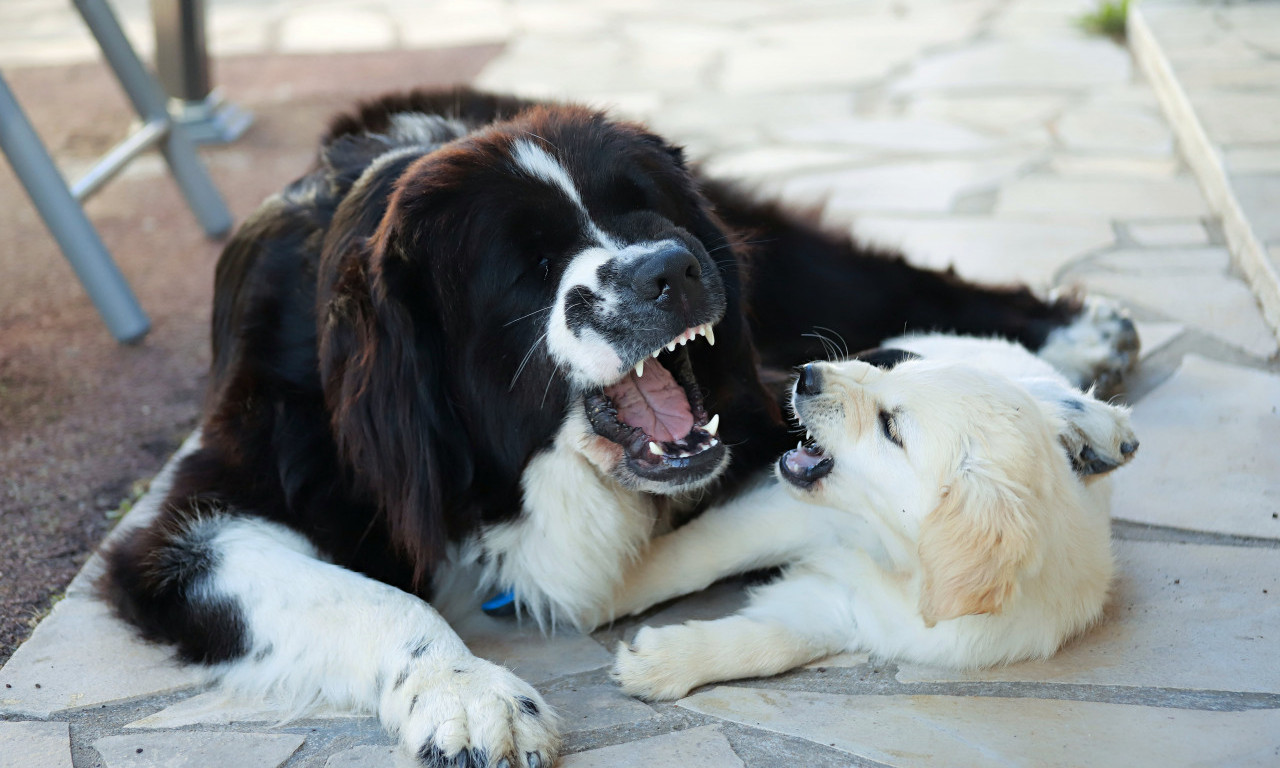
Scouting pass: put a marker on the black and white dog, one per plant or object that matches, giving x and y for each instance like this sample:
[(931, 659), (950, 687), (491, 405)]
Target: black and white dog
[(516, 333)]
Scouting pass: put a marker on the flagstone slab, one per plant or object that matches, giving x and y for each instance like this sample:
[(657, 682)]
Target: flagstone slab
[(218, 707), (1045, 64), (1007, 115), (992, 250), (35, 745), (1154, 336), (197, 749), (1167, 234), (907, 187), (705, 747), (1210, 456), (768, 162), (958, 731), (1223, 305), (80, 656), (1113, 198), (918, 136), (1114, 166), (1103, 128), (523, 648), (312, 31), (596, 705), (1253, 159), (1180, 616), (371, 757)]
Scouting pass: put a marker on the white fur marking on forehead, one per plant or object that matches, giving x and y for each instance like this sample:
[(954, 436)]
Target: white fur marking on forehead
[(537, 163)]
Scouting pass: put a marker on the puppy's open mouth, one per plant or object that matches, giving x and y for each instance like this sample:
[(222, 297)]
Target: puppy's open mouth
[(805, 464), (657, 415)]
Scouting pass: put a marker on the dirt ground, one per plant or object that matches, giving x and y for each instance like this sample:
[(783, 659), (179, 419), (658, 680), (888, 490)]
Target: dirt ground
[(84, 422)]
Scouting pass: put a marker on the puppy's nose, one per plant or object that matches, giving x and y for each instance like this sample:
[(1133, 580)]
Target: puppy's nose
[(671, 278), (810, 381)]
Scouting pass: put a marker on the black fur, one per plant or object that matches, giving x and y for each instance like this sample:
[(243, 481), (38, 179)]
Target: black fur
[(371, 386)]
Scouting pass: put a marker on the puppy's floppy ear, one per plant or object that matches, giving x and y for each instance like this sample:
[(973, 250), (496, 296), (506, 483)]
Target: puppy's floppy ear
[(383, 388), (973, 545)]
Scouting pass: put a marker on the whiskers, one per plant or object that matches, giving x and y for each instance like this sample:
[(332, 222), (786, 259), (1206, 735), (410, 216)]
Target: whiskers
[(525, 361), (834, 351), (531, 314)]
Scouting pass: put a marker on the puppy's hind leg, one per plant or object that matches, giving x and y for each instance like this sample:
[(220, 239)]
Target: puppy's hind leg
[(253, 600), (783, 627)]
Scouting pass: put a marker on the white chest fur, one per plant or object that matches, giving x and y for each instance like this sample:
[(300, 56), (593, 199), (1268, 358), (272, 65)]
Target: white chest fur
[(577, 534)]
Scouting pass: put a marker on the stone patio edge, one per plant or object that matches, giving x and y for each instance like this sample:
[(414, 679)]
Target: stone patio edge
[(1247, 250)]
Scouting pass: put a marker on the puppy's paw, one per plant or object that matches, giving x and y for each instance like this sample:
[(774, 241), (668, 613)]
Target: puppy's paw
[(1099, 347), (654, 667), (466, 712), (1097, 436)]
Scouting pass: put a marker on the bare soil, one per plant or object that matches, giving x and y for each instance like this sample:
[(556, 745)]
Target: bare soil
[(85, 422)]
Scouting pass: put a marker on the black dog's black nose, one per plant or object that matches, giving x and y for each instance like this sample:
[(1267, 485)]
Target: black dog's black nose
[(810, 381), (670, 277)]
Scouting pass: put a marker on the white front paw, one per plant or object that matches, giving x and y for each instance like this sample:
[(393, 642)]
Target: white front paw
[(455, 712), (1098, 437), (656, 665), (1098, 347)]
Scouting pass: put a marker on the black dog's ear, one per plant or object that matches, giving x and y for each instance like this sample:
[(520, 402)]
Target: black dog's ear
[(388, 412), (885, 358)]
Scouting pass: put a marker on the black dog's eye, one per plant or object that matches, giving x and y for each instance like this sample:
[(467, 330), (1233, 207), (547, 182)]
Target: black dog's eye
[(630, 195), (544, 265), (889, 426)]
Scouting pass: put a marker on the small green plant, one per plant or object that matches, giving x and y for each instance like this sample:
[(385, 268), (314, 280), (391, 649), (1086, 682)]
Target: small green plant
[(136, 491), (1108, 19)]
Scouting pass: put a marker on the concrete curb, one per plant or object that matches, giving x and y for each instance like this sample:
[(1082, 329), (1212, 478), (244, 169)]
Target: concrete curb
[(1247, 251)]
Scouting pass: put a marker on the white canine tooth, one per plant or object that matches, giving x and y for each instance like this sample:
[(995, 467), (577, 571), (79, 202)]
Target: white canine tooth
[(711, 335), (657, 449), (808, 434), (799, 445), (713, 425), (639, 369), (657, 352)]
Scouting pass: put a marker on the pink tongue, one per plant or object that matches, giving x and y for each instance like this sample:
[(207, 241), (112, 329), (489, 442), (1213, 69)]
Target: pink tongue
[(799, 460), (653, 402)]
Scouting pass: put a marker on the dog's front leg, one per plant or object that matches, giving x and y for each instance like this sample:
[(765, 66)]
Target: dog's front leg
[(1096, 435), (315, 631), (785, 625), (762, 528)]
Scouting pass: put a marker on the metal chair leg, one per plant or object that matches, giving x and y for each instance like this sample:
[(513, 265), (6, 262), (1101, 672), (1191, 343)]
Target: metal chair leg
[(150, 102), (102, 280)]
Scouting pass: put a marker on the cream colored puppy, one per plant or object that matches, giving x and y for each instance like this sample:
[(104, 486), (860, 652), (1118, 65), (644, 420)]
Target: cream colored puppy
[(933, 516)]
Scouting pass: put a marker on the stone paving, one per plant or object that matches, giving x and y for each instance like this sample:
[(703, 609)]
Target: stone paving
[(989, 135), (1216, 67)]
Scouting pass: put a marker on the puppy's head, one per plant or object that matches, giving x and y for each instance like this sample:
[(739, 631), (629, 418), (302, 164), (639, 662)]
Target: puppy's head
[(953, 459)]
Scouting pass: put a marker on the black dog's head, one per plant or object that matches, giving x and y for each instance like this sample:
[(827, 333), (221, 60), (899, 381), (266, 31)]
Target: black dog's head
[(553, 277)]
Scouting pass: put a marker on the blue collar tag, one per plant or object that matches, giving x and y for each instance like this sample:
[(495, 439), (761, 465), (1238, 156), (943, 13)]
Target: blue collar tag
[(501, 604)]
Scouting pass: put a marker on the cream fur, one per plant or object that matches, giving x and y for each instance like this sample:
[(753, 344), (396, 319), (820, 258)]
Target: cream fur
[(973, 545)]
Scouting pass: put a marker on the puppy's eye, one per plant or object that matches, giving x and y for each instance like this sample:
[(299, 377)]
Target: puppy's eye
[(889, 426)]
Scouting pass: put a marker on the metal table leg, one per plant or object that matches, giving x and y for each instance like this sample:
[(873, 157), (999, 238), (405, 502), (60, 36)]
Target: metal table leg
[(65, 219), (182, 63), (149, 101)]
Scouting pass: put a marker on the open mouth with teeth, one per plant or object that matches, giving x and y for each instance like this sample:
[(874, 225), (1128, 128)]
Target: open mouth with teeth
[(805, 464), (808, 462), (657, 415)]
